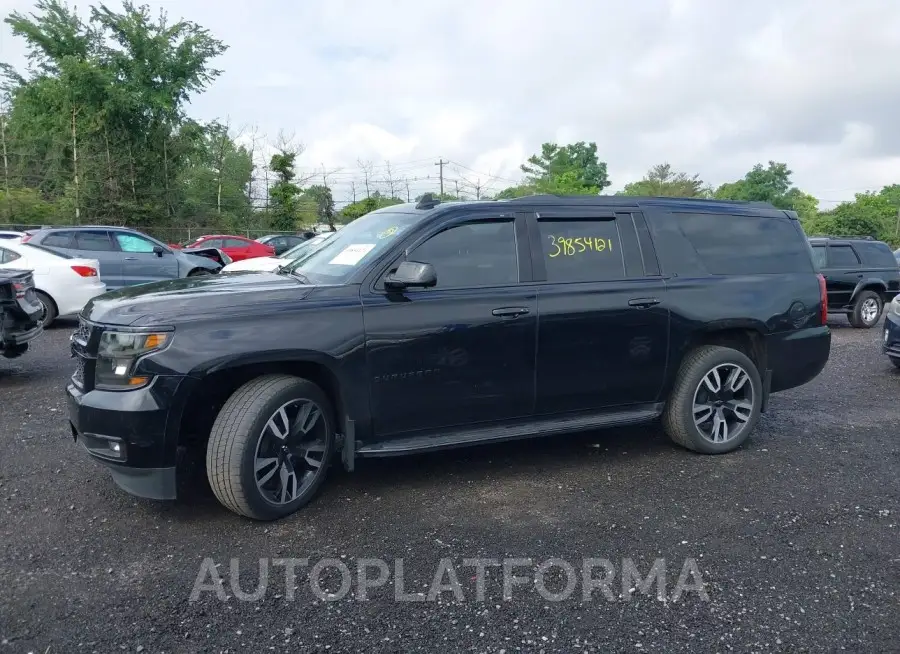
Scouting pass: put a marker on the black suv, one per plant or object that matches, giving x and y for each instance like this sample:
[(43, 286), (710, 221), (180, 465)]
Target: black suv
[(431, 326), (861, 275)]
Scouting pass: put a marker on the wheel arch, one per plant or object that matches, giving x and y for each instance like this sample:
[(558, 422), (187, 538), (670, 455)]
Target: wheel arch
[(870, 284), (207, 388)]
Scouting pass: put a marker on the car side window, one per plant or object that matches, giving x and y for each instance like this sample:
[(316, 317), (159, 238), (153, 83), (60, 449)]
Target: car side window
[(58, 240), (842, 256), (236, 243), (210, 243), (581, 250), (472, 255), (819, 259), (8, 256), (134, 243), (94, 241)]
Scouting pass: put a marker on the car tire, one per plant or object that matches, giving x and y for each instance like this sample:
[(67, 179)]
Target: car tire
[(50, 311), (865, 304), (197, 272), (740, 413), (256, 452), (895, 361)]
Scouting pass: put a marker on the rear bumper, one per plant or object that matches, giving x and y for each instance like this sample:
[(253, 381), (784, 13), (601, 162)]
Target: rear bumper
[(77, 296), (890, 338), (797, 357), (14, 337)]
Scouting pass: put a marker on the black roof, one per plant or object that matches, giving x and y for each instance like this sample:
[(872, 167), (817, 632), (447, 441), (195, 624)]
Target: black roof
[(843, 239)]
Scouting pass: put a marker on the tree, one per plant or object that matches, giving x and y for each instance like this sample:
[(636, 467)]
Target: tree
[(870, 214), (772, 184), (662, 181), (283, 193), (577, 162), (355, 210)]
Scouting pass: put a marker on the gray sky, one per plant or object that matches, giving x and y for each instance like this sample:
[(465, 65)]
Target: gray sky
[(711, 86)]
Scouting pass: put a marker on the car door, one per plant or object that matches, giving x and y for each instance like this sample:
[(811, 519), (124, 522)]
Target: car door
[(141, 264), (842, 275), (603, 323), (97, 244), (279, 243), (461, 352)]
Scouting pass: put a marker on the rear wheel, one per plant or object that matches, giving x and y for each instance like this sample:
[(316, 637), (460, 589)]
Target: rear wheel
[(269, 447), (716, 400), (895, 361), (48, 307), (866, 310), (197, 272)]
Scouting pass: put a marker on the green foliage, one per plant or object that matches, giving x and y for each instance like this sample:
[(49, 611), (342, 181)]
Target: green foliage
[(870, 214), (568, 169), (662, 181), (357, 209), (772, 184), (283, 194)]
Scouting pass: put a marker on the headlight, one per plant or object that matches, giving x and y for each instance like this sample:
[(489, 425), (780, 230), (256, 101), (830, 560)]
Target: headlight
[(895, 305), (119, 353)]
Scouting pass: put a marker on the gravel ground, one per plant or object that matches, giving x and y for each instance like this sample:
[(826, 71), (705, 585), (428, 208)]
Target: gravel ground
[(796, 537)]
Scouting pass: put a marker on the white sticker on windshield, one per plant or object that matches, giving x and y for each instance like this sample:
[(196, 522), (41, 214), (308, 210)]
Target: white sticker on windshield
[(352, 254)]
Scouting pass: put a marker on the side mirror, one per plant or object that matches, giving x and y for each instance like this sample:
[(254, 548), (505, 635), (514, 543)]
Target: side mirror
[(411, 274), (158, 251)]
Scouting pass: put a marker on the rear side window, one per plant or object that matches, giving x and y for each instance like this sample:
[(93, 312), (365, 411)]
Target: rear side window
[(581, 250), (842, 256), (94, 241), (236, 243), (820, 260), (745, 245), (876, 253), (58, 240), (8, 256)]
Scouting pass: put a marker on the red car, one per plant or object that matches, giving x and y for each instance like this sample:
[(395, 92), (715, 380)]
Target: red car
[(236, 247)]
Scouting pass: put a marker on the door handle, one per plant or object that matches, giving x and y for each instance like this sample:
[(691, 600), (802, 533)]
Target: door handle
[(859, 276), (643, 302), (131, 258), (510, 312)]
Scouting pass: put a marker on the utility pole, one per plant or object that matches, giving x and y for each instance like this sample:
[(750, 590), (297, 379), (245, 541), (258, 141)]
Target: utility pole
[(897, 228), (457, 188), (441, 163)]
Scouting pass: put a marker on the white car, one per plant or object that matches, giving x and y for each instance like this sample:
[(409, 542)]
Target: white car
[(268, 264), (63, 284), (7, 235)]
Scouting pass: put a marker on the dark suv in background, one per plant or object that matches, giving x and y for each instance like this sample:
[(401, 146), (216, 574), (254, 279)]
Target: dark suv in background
[(430, 326), (861, 276), (127, 257)]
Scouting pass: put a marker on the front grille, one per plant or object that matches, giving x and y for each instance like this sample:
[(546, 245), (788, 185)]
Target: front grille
[(84, 350)]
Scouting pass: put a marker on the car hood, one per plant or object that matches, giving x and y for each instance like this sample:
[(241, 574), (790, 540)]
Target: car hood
[(267, 264), (193, 298)]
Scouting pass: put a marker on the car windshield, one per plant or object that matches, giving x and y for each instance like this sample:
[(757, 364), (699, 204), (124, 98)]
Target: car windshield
[(304, 248), (357, 243)]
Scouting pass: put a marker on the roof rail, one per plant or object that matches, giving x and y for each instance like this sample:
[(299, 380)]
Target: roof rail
[(428, 201), (845, 237)]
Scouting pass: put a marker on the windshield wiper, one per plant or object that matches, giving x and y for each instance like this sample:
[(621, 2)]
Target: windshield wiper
[(299, 275)]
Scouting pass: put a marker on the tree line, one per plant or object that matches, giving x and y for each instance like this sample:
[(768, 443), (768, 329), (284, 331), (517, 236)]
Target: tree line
[(96, 130)]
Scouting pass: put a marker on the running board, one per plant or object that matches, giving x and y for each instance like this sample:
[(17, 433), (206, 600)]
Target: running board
[(507, 432)]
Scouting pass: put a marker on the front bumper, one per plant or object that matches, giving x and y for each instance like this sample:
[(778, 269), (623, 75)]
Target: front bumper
[(890, 338), (127, 432)]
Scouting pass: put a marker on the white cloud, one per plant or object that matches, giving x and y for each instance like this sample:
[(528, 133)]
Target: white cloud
[(711, 86)]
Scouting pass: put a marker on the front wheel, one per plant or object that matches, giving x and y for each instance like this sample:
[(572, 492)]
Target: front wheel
[(895, 361), (198, 272), (866, 310), (269, 447), (716, 400)]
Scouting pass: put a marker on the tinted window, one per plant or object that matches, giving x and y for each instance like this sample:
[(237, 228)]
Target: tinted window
[(581, 250), (209, 243), (842, 256), (58, 240), (236, 243), (820, 260), (8, 256), (876, 253), (746, 245), (96, 241), (472, 255), (133, 243)]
